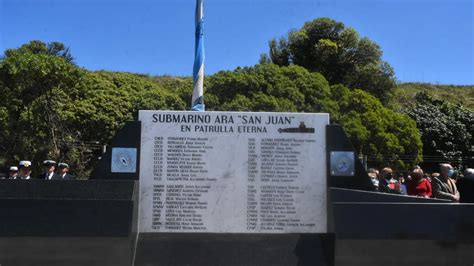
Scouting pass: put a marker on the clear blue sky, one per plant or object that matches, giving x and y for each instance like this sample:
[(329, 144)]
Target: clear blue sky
[(424, 40)]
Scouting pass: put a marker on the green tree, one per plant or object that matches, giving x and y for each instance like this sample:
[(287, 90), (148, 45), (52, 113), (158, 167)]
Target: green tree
[(387, 137), (107, 101), (54, 109), (268, 87), (56, 49), (337, 52), (35, 86), (446, 129)]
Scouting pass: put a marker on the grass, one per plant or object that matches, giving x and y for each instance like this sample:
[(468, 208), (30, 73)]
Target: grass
[(463, 95)]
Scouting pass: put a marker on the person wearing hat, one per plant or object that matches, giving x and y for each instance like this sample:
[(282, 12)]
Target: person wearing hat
[(24, 170), (63, 172), (49, 173), (13, 174)]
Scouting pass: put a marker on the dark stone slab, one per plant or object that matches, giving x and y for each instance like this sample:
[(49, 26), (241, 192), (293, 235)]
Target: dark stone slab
[(375, 229), (336, 140), (127, 137), (235, 249), (67, 189), (65, 251), (42, 208), (62, 217), (421, 221), (376, 252), (49, 222)]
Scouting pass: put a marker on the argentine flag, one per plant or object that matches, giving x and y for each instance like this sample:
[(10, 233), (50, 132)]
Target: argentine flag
[(197, 103)]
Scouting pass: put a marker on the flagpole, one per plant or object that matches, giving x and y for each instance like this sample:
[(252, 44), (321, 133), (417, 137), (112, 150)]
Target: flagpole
[(197, 103)]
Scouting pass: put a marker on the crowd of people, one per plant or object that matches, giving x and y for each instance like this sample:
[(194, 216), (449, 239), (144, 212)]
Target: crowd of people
[(447, 184), (23, 171)]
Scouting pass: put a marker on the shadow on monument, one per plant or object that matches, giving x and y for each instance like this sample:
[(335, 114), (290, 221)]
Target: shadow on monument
[(235, 249), (315, 250)]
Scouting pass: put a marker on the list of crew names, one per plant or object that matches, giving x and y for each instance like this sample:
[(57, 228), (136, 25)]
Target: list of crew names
[(178, 203), (272, 183)]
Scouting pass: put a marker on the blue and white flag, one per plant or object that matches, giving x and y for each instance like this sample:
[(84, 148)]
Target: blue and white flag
[(197, 103)]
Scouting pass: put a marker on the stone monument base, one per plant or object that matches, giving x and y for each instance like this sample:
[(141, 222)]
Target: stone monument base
[(67, 223), (173, 249), (406, 252), (65, 251)]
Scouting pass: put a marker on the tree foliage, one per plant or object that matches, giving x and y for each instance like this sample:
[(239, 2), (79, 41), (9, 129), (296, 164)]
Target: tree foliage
[(446, 129), (268, 87), (35, 87), (387, 137), (337, 52), (54, 109), (56, 49)]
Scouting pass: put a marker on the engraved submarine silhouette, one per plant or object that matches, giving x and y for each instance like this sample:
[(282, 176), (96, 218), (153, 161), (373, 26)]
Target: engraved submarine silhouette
[(301, 129)]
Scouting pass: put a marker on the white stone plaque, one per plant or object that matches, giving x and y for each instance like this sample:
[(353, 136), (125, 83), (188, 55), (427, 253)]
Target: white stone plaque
[(233, 172)]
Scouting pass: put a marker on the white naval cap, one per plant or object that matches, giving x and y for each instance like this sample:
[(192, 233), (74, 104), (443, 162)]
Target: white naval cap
[(49, 162), (24, 164), (63, 165)]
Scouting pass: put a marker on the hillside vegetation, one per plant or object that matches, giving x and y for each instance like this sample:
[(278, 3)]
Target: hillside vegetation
[(464, 95)]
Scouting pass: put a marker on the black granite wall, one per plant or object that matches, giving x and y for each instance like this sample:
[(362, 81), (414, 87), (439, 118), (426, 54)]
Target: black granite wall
[(127, 137), (235, 249), (375, 229), (55, 222)]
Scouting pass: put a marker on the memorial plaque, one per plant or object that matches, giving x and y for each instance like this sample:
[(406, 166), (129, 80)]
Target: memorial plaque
[(233, 172)]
